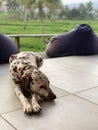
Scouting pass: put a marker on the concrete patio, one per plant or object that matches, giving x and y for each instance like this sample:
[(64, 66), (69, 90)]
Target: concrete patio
[(75, 82)]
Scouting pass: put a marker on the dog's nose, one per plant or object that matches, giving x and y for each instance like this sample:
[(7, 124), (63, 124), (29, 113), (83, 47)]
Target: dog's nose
[(52, 96)]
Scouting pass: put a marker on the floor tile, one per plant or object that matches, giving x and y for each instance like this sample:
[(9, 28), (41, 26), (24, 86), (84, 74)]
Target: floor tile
[(82, 63), (55, 64), (90, 95), (91, 69), (52, 65), (88, 64), (66, 113), (59, 92), (8, 100), (4, 125), (72, 80)]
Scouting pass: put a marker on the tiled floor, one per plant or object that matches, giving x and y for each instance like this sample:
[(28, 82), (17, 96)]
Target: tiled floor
[(75, 82)]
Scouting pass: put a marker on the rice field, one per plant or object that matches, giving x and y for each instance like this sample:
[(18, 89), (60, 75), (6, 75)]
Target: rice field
[(34, 27)]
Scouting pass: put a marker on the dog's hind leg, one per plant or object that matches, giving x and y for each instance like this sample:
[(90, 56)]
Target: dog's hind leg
[(36, 107), (27, 107)]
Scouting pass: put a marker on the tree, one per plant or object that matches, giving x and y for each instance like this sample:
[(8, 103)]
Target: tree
[(53, 5), (40, 4), (46, 3), (67, 12), (12, 6), (27, 4), (96, 13), (82, 10), (0, 3), (89, 9), (74, 13)]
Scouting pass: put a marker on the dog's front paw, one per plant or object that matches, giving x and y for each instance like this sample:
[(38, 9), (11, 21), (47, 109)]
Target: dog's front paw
[(36, 107), (27, 108)]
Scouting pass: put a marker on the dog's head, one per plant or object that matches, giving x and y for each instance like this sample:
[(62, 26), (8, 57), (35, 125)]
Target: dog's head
[(37, 59), (39, 84)]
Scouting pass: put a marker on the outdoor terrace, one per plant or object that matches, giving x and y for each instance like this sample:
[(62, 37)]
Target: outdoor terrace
[(74, 80)]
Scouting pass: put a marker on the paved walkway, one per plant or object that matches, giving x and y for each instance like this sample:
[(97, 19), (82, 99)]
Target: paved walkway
[(75, 82)]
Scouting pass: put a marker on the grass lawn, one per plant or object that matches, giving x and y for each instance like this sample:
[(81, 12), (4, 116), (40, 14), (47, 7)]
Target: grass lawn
[(34, 27)]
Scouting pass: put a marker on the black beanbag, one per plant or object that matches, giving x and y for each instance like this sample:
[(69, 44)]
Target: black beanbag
[(79, 41), (7, 48)]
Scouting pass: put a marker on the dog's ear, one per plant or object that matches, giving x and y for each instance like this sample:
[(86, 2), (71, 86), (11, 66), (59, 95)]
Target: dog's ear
[(12, 57), (39, 61)]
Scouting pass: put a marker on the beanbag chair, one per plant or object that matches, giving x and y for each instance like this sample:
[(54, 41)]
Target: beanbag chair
[(7, 48), (79, 41)]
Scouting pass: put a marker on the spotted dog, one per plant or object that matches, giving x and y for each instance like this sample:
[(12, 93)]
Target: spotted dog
[(29, 82)]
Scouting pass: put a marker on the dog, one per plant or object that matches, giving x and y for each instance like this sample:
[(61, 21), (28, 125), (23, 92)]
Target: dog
[(29, 82)]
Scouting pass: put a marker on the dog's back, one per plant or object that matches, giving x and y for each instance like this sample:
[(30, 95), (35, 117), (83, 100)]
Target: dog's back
[(23, 64)]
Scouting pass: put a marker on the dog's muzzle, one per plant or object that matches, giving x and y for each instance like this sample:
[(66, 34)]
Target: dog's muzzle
[(50, 97)]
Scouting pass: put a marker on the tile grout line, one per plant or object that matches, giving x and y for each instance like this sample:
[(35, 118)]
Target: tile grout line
[(8, 122), (73, 92), (87, 73), (85, 90), (10, 111), (85, 99), (54, 86), (78, 97), (64, 95), (80, 70)]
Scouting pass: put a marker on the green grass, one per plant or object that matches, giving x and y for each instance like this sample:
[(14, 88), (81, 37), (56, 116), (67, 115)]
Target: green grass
[(34, 27), (32, 44)]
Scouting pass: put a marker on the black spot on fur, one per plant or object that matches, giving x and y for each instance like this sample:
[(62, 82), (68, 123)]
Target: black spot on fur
[(36, 72), (30, 79), (40, 77), (26, 91), (42, 87), (19, 68), (15, 69), (32, 82), (16, 81)]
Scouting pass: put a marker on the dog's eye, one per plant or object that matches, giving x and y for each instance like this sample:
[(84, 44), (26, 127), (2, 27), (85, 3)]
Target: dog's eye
[(42, 86)]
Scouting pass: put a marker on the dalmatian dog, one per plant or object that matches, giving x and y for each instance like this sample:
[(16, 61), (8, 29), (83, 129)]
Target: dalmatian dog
[(29, 82)]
